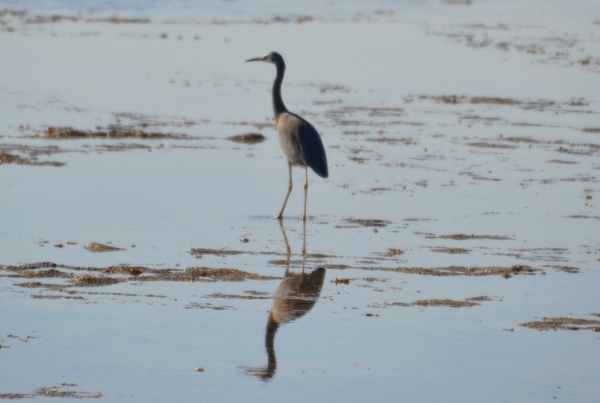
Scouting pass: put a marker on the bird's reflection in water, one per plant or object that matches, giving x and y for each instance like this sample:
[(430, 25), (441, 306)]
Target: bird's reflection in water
[(295, 296)]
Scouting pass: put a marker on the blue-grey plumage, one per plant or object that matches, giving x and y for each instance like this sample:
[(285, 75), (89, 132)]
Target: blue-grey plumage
[(301, 143), (298, 139)]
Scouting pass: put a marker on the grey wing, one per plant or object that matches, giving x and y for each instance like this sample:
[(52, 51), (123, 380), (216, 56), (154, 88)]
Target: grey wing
[(310, 145)]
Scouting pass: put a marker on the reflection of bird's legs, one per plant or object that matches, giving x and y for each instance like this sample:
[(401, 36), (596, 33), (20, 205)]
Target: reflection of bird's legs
[(304, 265), (287, 246), (305, 191), (304, 238), (280, 216), (304, 247)]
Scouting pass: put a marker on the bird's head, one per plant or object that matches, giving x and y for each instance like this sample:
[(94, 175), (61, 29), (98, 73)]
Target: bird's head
[(273, 57)]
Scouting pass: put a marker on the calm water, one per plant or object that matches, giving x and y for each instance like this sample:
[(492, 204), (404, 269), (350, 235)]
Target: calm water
[(470, 131)]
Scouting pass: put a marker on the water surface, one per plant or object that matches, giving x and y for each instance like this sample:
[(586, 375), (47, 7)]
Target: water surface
[(463, 148)]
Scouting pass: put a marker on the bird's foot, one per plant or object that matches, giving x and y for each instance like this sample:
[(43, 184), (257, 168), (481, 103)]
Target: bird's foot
[(279, 217)]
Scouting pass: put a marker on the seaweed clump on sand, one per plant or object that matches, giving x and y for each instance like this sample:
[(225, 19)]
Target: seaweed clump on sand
[(223, 274), (198, 252), (505, 272), (110, 132), (99, 247), (106, 276), (466, 303), (248, 138), (560, 323), (88, 280), (53, 391), (444, 302), (6, 158), (368, 222)]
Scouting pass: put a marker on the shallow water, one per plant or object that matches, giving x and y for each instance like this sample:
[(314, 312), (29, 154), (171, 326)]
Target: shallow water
[(463, 147)]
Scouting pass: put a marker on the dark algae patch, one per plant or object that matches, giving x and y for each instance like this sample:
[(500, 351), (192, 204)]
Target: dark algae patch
[(133, 270), (98, 247), (44, 274), (99, 276), (111, 132), (236, 296), (466, 303), (368, 222), (6, 158), (470, 270), (88, 280), (560, 323), (198, 252), (527, 104), (585, 216), (485, 144), (466, 237), (395, 251), (445, 302), (452, 251), (208, 305), (14, 396), (223, 274), (403, 304), (249, 138), (480, 298), (285, 262), (64, 390), (566, 269)]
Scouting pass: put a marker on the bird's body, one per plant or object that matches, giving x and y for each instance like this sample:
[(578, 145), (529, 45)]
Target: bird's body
[(305, 137), (299, 140)]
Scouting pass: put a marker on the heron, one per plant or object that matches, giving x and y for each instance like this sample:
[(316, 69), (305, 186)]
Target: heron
[(298, 139)]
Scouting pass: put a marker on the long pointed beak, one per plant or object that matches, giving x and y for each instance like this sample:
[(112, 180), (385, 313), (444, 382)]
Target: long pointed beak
[(256, 59)]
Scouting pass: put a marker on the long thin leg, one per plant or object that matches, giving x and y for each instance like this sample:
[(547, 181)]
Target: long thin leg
[(280, 216), (305, 191)]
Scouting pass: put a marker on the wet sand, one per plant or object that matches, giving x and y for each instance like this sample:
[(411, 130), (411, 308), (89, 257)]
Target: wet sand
[(454, 244)]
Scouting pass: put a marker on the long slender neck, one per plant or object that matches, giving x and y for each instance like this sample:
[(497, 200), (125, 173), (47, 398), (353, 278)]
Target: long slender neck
[(278, 105)]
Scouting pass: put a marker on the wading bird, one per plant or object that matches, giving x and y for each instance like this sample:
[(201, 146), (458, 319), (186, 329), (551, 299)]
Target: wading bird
[(298, 139)]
